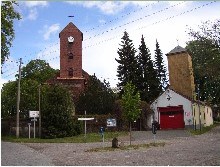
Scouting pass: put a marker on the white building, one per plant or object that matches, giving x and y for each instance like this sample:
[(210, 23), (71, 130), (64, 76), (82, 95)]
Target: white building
[(172, 110), (175, 111)]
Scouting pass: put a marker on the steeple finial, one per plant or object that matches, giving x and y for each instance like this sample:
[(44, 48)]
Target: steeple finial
[(71, 16), (177, 40)]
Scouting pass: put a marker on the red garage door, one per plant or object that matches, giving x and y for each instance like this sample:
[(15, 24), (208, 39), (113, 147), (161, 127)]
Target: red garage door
[(171, 117)]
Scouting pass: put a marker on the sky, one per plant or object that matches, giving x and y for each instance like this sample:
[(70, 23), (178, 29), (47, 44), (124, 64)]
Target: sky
[(103, 24)]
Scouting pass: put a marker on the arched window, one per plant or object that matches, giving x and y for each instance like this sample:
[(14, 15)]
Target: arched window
[(70, 56), (70, 71)]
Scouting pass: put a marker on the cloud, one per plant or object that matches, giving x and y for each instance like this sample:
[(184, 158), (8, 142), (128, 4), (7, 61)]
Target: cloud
[(181, 6), (30, 11), (111, 7), (166, 26), (31, 4), (32, 14), (166, 32), (48, 31), (106, 7)]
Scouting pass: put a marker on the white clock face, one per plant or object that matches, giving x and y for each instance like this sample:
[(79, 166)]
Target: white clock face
[(70, 39)]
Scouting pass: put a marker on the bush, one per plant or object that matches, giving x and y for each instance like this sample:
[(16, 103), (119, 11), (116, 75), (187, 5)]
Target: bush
[(52, 132), (57, 113)]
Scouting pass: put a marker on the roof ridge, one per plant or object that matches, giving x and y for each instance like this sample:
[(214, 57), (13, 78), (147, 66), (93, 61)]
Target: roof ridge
[(177, 49)]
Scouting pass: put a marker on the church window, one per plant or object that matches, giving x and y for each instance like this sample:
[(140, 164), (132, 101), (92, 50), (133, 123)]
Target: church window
[(70, 56), (70, 72)]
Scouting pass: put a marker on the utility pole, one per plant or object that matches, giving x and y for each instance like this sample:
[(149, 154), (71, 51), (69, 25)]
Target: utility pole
[(200, 126), (39, 111), (18, 99), (85, 124)]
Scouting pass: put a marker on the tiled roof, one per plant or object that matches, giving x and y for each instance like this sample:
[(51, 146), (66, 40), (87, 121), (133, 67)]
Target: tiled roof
[(177, 49), (186, 97)]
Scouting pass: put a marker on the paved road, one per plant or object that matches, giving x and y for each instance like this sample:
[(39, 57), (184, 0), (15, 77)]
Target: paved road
[(179, 149), (14, 154)]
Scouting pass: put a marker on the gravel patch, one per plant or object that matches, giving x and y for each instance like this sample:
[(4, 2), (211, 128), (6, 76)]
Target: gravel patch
[(14, 154), (185, 150)]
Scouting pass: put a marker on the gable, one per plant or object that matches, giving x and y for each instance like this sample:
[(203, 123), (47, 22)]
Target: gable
[(71, 28), (171, 98)]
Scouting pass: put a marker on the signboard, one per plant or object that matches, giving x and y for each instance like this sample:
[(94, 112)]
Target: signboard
[(33, 114), (85, 119), (34, 119), (111, 122)]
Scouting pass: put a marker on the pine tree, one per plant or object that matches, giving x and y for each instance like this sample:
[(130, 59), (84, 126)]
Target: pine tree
[(147, 81), (127, 62), (160, 67)]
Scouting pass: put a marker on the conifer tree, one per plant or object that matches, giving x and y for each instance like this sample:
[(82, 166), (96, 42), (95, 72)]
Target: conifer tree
[(160, 67), (147, 81), (127, 62)]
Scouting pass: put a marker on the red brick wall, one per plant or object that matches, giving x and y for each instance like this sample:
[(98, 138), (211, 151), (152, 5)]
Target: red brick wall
[(75, 48), (76, 86), (77, 82)]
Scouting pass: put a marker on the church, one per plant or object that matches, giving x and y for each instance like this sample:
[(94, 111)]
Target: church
[(71, 73)]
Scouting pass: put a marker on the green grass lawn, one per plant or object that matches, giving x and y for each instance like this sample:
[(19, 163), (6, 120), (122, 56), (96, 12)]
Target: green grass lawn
[(204, 129), (90, 137), (129, 147)]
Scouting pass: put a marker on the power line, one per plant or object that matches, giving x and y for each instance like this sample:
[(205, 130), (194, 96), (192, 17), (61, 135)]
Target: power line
[(111, 28), (10, 74), (139, 19), (106, 40), (168, 18), (122, 16), (34, 53)]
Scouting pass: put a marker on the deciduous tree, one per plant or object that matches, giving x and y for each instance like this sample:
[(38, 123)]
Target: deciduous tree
[(131, 104), (205, 52), (33, 74), (8, 15), (38, 70), (57, 112), (98, 98)]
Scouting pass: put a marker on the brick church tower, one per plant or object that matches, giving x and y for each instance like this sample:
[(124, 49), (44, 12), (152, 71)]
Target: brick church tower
[(71, 52), (180, 71), (71, 73)]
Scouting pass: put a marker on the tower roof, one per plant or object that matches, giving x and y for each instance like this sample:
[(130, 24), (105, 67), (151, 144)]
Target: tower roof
[(70, 27), (176, 50)]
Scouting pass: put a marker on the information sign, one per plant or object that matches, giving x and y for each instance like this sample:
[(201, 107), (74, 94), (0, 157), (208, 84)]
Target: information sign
[(33, 114), (111, 122)]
